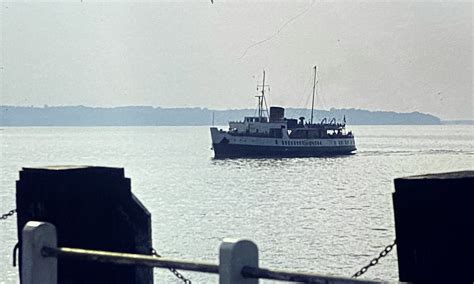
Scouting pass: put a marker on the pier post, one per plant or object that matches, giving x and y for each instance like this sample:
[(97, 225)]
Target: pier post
[(36, 268), (434, 223), (91, 208), (233, 256)]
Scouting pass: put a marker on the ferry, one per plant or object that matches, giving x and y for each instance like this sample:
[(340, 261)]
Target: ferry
[(271, 134)]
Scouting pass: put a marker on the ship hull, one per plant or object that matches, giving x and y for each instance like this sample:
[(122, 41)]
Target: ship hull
[(222, 151)]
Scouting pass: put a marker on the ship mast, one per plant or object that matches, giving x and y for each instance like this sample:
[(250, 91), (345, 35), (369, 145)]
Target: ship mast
[(314, 89), (261, 99)]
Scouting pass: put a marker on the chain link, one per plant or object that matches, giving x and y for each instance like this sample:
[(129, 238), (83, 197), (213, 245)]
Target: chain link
[(375, 261), (8, 214), (173, 270)]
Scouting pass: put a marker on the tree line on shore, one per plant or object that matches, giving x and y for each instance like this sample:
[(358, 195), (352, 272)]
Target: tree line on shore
[(154, 116)]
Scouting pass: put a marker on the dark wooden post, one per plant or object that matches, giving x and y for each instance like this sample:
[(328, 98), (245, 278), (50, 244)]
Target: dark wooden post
[(92, 208), (434, 223)]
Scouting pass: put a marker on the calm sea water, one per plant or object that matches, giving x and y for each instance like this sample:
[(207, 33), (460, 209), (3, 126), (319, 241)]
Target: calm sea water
[(321, 215)]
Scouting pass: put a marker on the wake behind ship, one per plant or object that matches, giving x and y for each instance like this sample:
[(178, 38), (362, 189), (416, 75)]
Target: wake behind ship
[(277, 136)]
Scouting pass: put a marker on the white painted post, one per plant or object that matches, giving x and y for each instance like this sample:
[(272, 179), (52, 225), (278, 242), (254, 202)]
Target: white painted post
[(233, 256), (35, 268)]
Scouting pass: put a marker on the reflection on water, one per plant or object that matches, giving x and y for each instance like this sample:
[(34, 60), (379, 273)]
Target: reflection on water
[(325, 215), (417, 152)]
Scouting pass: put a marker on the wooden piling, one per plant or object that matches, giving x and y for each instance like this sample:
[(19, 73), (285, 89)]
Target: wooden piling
[(92, 208), (434, 223)]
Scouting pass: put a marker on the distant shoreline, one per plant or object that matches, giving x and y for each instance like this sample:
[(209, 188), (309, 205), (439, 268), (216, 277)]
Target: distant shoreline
[(157, 116), (3, 127), (457, 122)]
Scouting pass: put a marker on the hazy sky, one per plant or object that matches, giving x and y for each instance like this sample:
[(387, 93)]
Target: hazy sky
[(401, 56)]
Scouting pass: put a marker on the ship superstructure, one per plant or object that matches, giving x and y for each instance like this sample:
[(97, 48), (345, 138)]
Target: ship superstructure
[(273, 135)]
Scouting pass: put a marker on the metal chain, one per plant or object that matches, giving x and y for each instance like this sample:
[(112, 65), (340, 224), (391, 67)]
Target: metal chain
[(6, 215), (375, 261), (173, 270)]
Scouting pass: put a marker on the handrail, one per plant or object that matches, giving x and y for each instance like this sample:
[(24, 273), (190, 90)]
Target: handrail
[(128, 259), (152, 261), (238, 260), (262, 273)]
